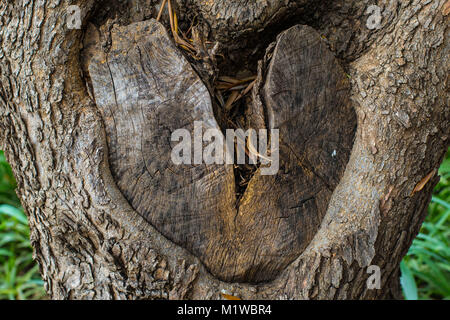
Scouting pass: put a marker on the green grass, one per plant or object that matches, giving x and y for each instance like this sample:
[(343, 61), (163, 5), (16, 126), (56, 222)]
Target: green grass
[(425, 269), (19, 274)]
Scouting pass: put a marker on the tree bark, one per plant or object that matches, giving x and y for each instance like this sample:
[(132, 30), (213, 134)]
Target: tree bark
[(93, 242)]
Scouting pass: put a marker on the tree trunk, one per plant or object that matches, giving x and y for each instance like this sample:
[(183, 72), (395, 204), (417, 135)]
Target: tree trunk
[(360, 102)]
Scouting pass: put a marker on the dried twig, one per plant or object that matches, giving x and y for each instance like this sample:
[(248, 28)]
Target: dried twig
[(247, 90), (231, 99), (161, 10), (171, 17), (419, 186)]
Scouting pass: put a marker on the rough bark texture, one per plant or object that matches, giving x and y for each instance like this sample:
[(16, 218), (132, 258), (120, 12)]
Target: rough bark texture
[(89, 241)]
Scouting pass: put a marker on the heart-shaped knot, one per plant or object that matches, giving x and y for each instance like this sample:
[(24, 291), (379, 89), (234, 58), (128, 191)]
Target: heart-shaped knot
[(145, 90)]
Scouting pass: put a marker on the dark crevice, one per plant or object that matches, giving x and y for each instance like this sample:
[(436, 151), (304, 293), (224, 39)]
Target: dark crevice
[(302, 202)]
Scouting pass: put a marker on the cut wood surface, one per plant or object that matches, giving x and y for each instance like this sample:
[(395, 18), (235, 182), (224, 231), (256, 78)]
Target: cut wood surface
[(145, 90), (90, 187)]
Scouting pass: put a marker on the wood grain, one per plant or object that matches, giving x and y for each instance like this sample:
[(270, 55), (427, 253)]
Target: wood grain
[(145, 89)]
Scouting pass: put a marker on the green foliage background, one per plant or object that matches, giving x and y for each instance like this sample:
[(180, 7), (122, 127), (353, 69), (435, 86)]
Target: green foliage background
[(425, 269), (19, 274)]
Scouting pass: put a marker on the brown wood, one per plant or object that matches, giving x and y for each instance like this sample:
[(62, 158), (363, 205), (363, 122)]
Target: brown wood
[(91, 244), (145, 90)]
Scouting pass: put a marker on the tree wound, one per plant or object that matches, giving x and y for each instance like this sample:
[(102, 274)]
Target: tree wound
[(145, 89)]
